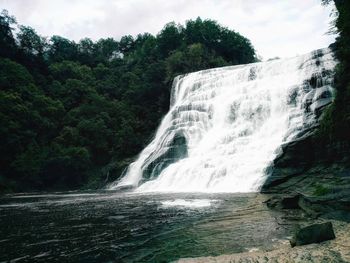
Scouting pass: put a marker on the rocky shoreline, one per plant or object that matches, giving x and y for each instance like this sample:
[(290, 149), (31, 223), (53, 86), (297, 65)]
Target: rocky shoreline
[(336, 251), (317, 193), (304, 210)]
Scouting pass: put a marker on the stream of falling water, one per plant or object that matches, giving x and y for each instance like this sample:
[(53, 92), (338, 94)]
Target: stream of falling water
[(226, 125)]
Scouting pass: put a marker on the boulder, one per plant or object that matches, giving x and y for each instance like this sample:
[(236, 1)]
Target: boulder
[(315, 233)]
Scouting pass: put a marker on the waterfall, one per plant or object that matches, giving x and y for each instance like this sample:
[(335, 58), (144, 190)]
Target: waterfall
[(225, 125)]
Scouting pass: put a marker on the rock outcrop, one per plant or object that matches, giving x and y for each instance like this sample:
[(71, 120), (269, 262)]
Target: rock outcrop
[(305, 164), (315, 233), (335, 251)]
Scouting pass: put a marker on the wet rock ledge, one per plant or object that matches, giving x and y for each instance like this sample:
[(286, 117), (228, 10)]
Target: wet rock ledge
[(332, 251)]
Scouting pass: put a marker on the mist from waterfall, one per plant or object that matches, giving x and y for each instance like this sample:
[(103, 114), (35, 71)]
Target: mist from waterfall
[(225, 125)]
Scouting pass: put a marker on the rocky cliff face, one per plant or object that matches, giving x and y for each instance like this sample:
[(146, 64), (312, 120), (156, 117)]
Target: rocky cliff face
[(304, 160), (306, 157), (319, 174)]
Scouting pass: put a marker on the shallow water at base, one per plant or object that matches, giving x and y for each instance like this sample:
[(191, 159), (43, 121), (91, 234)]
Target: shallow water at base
[(127, 227)]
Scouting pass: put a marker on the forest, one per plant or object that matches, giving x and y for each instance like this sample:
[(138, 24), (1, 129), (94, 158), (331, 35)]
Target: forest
[(335, 125), (73, 115)]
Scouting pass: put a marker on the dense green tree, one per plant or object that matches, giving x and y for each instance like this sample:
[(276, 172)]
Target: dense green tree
[(170, 38), (66, 69), (335, 126), (62, 49), (7, 41), (126, 44), (106, 50), (30, 42), (231, 46), (86, 51)]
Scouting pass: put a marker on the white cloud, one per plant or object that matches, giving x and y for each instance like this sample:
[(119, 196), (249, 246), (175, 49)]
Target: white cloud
[(275, 27)]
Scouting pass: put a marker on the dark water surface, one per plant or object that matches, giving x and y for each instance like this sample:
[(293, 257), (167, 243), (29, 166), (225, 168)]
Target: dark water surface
[(125, 227)]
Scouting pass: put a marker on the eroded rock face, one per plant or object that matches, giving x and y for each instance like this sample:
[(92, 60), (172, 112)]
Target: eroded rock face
[(301, 152), (295, 158), (315, 233), (304, 162)]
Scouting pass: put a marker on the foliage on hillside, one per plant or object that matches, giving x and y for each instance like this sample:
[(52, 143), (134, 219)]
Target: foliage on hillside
[(74, 114), (335, 126)]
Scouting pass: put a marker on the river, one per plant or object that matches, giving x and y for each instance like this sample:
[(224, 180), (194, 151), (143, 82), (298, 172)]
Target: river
[(110, 226)]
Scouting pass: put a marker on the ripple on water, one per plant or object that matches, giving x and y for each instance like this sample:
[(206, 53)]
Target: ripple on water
[(120, 227)]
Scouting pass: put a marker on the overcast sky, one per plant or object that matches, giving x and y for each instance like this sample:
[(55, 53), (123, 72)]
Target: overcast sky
[(275, 27)]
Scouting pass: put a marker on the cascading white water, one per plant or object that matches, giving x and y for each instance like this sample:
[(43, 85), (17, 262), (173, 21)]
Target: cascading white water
[(226, 125)]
